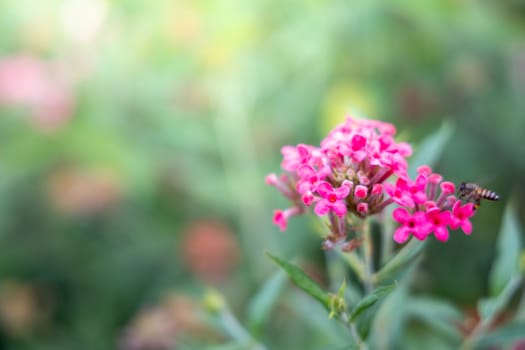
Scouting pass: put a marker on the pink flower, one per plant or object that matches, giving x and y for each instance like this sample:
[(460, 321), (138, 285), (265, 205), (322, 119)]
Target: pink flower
[(280, 217), (348, 172), (294, 157), (331, 199), (415, 224), (400, 193), (36, 84), (309, 178), (439, 221), (461, 215), (417, 189)]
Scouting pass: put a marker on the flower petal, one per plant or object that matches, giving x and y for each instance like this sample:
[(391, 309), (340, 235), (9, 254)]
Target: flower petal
[(339, 208), (324, 189), (322, 207), (466, 226), (401, 235), (441, 233), (342, 192), (401, 215)]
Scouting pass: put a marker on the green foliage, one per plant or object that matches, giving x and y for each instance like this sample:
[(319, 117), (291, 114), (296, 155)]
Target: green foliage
[(508, 252), (261, 305), (303, 281), (369, 301)]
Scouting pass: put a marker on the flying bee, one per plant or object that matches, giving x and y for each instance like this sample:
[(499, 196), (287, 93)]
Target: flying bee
[(472, 193)]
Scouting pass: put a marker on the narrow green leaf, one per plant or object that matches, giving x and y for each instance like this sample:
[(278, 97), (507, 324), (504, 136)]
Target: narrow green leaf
[(388, 323), (314, 315), (508, 333), (431, 148), (302, 280), (490, 307), (437, 315), (262, 303), (508, 251), (405, 257), (370, 300)]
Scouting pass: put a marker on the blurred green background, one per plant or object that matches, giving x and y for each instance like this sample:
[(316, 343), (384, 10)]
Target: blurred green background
[(136, 136)]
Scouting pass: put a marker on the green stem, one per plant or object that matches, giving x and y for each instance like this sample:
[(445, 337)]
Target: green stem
[(368, 252), (353, 332), (237, 331)]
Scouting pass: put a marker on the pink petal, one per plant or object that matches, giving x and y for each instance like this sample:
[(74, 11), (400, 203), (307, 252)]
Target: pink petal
[(446, 217), (322, 208), (441, 233), (339, 208), (324, 189), (303, 151), (358, 142), (389, 188), (419, 197), (305, 171), (421, 182), (401, 235), (424, 170), (404, 149), (466, 226), (280, 219), (303, 186), (401, 215), (468, 210), (342, 192), (401, 183), (435, 178), (358, 156), (448, 187)]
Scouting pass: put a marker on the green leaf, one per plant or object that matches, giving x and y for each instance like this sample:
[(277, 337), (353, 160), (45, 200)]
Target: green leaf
[(508, 333), (431, 148), (314, 315), (262, 303), (388, 323), (437, 315), (303, 281), (370, 300), (404, 258), (508, 252), (490, 307)]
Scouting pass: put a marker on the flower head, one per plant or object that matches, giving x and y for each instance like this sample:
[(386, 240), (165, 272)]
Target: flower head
[(359, 169)]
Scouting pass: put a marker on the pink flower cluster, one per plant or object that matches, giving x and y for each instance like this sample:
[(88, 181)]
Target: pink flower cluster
[(425, 210), (348, 174)]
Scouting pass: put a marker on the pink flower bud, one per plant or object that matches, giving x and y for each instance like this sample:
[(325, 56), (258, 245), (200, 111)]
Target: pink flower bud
[(362, 208), (448, 187), (361, 191), (271, 179), (308, 198), (435, 178), (424, 170), (377, 189)]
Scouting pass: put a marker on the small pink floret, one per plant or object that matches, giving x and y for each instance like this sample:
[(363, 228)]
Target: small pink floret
[(361, 191)]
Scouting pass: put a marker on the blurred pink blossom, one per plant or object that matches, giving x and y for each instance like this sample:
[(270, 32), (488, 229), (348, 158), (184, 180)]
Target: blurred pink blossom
[(30, 82)]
